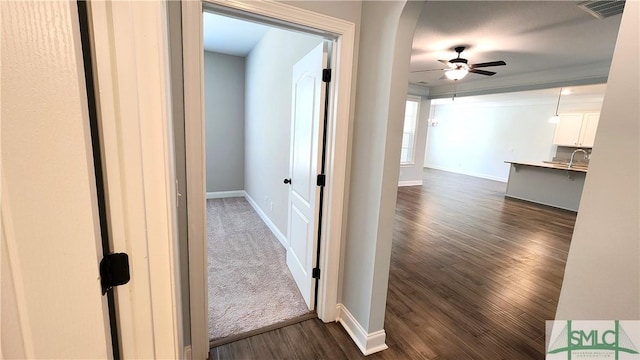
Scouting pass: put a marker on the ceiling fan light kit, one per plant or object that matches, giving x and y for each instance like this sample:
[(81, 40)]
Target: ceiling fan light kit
[(460, 67), (456, 74)]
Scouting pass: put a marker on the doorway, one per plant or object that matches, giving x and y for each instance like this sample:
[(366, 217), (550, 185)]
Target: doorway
[(336, 146), (260, 251)]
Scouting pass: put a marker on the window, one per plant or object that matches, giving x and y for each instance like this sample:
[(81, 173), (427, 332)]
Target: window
[(411, 112)]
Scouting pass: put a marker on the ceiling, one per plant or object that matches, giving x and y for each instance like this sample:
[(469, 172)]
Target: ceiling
[(230, 36), (544, 43)]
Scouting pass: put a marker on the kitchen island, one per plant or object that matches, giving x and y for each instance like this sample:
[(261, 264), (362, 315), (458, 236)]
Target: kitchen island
[(548, 183)]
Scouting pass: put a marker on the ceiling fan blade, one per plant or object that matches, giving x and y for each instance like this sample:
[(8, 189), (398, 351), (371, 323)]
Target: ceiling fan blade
[(446, 62), (482, 72), (487, 64), (417, 71)]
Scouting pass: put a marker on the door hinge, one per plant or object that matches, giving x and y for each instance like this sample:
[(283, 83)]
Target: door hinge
[(178, 195), (322, 180), (315, 273), (326, 75), (114, 271)]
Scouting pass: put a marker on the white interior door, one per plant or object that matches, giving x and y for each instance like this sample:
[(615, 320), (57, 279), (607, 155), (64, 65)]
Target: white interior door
[(306, 128), (52, 305)]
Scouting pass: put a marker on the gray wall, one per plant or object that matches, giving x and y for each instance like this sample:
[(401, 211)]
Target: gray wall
[(224, 81), (268, 119), (385, 48), (602, 276)]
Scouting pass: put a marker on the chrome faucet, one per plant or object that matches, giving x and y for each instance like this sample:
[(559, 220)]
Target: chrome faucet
[(586, 156)]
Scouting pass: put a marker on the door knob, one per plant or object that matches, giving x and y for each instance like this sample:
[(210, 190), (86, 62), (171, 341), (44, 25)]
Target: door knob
[(287, 181)]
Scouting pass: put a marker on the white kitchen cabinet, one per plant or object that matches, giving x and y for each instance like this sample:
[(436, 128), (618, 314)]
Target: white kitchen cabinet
[(568, 130), (576, 130), (589, 127)]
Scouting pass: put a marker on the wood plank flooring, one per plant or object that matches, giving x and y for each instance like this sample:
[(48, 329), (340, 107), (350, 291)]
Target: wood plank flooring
[(473, 276)]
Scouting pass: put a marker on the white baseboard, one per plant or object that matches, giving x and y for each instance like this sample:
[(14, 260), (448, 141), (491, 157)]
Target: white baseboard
[(367, 343), (410, 183), (469, 173), (267, 221), (225, 194)]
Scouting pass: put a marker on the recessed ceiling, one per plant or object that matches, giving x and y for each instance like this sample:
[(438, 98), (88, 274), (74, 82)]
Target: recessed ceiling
[(230, 36), (544, 43)]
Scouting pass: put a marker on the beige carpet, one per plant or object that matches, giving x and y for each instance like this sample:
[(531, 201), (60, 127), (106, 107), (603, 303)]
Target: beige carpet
[(250, 286)]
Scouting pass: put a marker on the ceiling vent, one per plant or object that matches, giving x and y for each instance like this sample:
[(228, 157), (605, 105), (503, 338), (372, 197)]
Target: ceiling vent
[(602, 9)]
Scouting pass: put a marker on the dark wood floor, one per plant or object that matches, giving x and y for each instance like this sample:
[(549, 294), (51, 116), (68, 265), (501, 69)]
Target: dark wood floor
[(473, 276)]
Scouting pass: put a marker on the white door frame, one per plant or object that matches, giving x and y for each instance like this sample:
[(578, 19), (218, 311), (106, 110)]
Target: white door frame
[(338, 138)]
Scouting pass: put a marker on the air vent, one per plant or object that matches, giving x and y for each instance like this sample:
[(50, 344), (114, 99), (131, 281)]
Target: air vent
[(602, 9)]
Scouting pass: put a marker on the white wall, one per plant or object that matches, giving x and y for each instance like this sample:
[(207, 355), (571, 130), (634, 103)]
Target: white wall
[(475, 137), (412, 174), (602, 276), (224, 104), (268, 119)]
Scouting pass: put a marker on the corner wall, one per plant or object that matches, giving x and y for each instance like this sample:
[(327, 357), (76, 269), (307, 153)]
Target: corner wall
[(224, 121), (602, 276)]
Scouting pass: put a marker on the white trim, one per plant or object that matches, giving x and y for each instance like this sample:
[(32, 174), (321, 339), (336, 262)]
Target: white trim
[(418, 100), (132, 71), (193, 49), (338, 136), (225, 194), (267, 221), (367, 343), (469, 173), (410, 183)]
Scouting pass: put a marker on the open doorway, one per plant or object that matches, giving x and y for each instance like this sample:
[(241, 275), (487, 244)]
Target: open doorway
[(264, 106), (337, 136)]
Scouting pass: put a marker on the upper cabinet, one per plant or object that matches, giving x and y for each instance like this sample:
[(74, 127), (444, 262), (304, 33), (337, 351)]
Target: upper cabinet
[(568, 130), (589, 127), (576, 130)]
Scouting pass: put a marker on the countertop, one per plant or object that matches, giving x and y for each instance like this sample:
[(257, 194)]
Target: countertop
[(551, 165)]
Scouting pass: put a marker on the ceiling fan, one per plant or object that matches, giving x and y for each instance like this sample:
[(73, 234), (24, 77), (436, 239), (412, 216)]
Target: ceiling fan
[(460, 67)]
